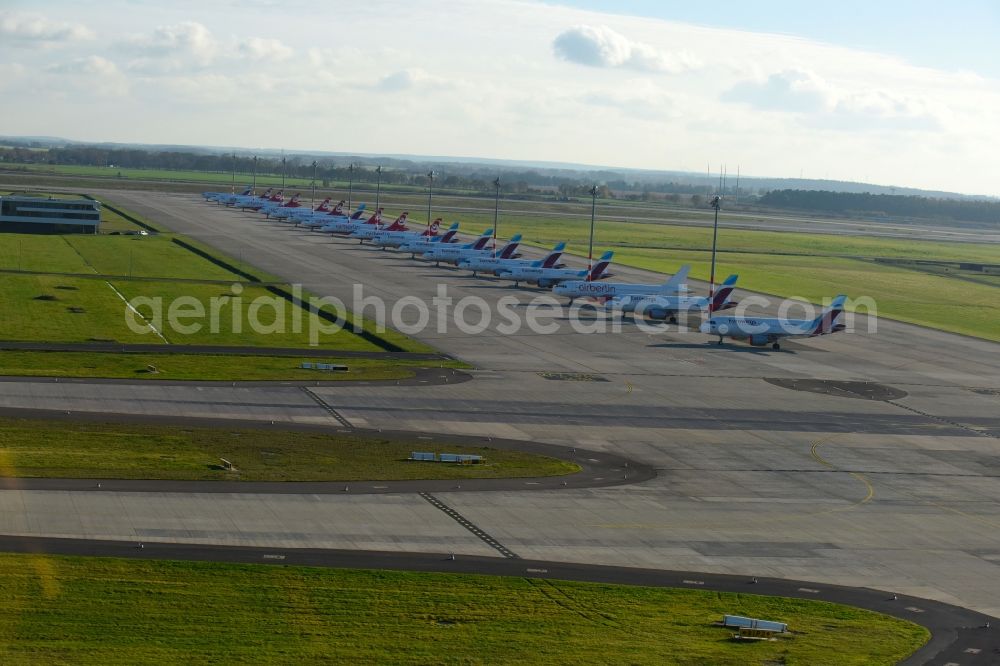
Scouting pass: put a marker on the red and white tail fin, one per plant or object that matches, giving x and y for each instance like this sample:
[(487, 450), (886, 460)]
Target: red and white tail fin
[(279, 196), (399, 224), (432, 229), (323, 207), (339, 208), (376, 218)]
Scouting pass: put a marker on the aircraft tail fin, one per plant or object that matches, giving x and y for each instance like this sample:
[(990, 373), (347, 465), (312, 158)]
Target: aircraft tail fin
[(552, 258), (598, 269), (722, 295), (481, 242), (359, 212), (450, 234), (508, 250), (826, 322), (676, 281)]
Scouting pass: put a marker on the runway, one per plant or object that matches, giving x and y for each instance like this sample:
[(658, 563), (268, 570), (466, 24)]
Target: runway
[(753, 478)]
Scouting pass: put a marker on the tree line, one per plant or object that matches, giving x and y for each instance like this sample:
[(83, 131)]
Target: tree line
[(885, 205), (564, 183)]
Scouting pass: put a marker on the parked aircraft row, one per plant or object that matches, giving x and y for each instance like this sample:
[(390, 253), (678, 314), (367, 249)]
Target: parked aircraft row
[(656, 301)]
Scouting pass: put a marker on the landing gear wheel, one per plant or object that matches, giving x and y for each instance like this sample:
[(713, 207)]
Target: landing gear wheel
[(720, 341), (775, 346), (672, 320)]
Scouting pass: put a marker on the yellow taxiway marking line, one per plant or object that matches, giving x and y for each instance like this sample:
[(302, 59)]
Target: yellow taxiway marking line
[(814, 452)]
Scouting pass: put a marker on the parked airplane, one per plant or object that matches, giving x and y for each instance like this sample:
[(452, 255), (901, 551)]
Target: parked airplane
[(668, 306), (491, 264), (266, 199), (762, 331), (548, 277), (315, 220), (355, 221), (454, 250), (220, 197), (246, 200), (604, 290), (368, 231), (388, 238), (421, 244), (272, 207), (450, 254), (297, 213)]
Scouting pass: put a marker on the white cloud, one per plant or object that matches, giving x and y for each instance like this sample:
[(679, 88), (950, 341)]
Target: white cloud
[(827, 104), (406, 79), (171, 48), (601, 46), (790, 90), (93, 74), (258, 48), (34, 28)]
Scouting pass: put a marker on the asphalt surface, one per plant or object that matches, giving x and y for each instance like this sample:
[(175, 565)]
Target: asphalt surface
[(222, 350), (755, 476), (958, 636), (421, 377)]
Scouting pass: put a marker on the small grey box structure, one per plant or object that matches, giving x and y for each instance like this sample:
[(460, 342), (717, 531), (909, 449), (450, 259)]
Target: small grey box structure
[(738, 621), (459, 458)]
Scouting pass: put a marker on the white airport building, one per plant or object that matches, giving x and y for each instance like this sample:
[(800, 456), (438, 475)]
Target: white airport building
[(36, 215)]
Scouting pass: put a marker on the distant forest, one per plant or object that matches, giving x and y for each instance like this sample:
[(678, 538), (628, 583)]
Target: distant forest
[(847, 203), (453, 175)]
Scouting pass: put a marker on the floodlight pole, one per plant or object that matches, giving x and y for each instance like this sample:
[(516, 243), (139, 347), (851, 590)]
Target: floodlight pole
[(254, 186), (312, 198), (430, 192), (593, 219), (496, 215), (234, 174), (716, 204), (378, 186), (350, 183), (282, 172)]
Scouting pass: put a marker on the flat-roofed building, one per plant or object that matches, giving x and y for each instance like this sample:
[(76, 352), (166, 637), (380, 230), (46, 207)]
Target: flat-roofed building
[(35, 215)]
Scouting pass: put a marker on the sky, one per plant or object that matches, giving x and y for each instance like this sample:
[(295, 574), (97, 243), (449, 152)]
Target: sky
[(896, 93)]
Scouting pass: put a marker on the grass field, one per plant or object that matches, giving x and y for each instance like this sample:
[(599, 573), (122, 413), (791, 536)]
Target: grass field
[(203, 366), (57, 609), (61, 308), (71, 309), (135, 256), (33, 448)]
